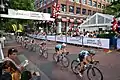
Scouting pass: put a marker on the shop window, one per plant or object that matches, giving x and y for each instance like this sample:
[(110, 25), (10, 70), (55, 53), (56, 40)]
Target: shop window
[(71, 9), (84, 11), (63, 7), (78, 10)]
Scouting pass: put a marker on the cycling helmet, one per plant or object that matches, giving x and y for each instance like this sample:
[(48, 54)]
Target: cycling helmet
[(64, 45), (92, 52)]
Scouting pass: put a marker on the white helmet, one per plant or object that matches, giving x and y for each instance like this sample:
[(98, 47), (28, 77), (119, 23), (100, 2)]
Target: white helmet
[(64, 45)]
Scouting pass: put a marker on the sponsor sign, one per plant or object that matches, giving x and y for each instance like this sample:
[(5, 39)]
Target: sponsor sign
[(52, 38), (61, 38), (74, 40), (40, 37), (96, 42), (118, 43)]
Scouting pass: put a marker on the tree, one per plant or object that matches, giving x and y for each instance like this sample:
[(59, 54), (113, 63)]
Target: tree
[(113, 9), (20, 5)]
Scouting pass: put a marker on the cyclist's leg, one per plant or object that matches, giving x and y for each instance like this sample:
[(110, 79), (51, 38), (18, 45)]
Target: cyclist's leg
[(81, 57)]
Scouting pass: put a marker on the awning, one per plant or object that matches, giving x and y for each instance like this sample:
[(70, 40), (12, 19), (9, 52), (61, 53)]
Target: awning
[(71, 20), (64, 20)]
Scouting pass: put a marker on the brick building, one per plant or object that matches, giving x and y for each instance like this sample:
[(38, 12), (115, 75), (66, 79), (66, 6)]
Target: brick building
[(71, 11)]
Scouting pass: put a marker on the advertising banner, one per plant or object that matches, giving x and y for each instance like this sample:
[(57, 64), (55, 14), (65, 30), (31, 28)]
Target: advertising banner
[(97, 42), (49, 37), (74, 40), (61, 38)]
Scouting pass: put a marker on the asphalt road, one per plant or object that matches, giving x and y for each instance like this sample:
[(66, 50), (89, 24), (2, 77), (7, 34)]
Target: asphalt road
[(109, 62)]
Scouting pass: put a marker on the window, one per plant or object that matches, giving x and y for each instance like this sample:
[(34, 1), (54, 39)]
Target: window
[(77, 1), (99, 5), (90, 2), (89, 12), (84, 11), (44, 10), (71, 9), (49, 10), (84, 1), (94, 4), (94, 12), (63, 7), (78, 10), (103, 6)]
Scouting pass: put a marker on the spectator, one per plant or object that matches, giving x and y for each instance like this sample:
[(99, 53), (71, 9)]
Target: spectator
[(11, 57), (10, 71)]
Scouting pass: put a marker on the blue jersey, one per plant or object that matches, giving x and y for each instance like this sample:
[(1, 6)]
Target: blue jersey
[(84, 53), (59, 46)]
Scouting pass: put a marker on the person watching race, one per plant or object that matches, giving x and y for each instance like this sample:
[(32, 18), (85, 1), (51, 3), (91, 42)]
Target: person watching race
[(85, 57)]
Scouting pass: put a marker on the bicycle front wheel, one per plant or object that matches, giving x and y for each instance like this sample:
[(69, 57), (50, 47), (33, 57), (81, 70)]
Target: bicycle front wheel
[(65, 61), (94, 74)]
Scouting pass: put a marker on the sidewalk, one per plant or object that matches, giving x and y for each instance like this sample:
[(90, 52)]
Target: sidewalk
[(22, 57)]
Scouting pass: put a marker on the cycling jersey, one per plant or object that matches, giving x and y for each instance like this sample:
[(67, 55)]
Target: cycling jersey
[(83, 54), (59, 46)]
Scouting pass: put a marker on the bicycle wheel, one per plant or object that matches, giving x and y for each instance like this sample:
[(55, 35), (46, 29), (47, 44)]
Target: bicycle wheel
[(74, 65), (55, 57), (45, 54), (34, 48), (93, 72), (65, 61), (40, 52)]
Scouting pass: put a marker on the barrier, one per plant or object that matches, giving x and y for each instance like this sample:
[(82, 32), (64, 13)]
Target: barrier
[(97, 42), (118, 43), (49, 37), (75, 40), (94, 42), (61, 38), (1, 54)]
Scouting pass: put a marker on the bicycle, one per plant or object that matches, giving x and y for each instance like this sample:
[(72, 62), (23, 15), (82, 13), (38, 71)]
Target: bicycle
[(43, 51), (62, 58), (89, 67)]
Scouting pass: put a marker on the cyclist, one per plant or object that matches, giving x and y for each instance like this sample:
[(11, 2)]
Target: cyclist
[(85, 57), (60, 48), (43, 45)]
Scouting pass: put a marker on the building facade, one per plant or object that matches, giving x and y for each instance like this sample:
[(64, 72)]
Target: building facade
[(72, 12)]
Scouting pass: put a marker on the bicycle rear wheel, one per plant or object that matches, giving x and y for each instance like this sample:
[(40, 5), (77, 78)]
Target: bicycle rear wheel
[(65, 61), (45, 54), (40, 52), (74, 66), (93, 72)]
